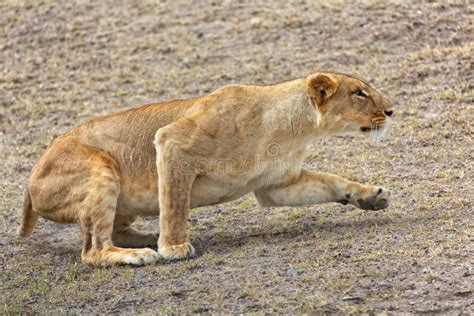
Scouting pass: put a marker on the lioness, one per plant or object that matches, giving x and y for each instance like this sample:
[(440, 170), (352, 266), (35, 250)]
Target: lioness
[(165, 158)]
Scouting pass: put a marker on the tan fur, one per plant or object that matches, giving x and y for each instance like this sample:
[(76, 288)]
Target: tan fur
[(167, 158)]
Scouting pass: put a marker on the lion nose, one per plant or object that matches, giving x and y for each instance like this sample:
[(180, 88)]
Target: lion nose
[(388, 112)]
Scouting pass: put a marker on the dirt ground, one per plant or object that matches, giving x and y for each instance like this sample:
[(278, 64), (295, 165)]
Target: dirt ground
[(62, 63)]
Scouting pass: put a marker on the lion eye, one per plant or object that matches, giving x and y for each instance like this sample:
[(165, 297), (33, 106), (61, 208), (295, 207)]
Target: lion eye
[(361, 93)]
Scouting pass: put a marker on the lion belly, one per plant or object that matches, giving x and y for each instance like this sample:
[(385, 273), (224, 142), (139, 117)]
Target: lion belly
[(143, 200), (139, 196)]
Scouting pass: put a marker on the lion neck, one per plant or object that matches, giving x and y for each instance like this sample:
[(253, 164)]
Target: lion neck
[(292, 116)]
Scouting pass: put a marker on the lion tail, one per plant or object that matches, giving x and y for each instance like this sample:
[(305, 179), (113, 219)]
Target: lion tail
[(28, 217)]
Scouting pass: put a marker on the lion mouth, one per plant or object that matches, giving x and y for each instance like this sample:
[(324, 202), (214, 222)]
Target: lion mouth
[(378, 127)]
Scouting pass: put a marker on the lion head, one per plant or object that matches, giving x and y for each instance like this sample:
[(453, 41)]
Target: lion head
[(345, 103)]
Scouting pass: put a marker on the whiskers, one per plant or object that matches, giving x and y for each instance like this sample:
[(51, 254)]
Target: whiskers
[(379, 131)]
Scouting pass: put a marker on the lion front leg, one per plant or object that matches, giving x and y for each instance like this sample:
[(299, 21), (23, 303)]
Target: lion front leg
[(316, 188), (175, 179)]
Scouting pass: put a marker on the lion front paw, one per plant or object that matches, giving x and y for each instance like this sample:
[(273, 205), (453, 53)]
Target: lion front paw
[(175, 252), (377, 198)]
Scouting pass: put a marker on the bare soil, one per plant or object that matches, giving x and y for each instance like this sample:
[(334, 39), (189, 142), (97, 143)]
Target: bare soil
[(62, 63)]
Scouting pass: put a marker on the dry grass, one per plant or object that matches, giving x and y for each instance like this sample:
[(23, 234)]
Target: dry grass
[(63, 63)]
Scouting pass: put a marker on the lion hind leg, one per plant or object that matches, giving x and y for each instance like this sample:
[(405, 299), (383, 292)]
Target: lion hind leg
[(98, 217)]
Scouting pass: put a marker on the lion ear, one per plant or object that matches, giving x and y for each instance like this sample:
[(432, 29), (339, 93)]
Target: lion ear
[(320, 87)]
